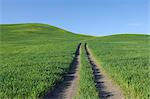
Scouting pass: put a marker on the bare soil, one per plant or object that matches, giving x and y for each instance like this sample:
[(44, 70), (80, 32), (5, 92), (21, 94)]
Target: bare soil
[(107, 88), (67, 89)]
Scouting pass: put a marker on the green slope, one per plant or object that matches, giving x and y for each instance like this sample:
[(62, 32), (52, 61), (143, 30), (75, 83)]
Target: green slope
[(125, 58), (34, 57), (25, 32)]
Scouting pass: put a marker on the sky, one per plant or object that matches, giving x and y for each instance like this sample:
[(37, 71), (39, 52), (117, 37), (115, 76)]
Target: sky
[(92, 17)]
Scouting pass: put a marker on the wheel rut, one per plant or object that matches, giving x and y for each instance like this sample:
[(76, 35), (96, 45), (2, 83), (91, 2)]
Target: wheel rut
[(107, 89), (67, 89)]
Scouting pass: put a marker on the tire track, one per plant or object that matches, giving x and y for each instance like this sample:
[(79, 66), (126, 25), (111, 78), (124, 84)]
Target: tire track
[(107, 90), (67, 89)]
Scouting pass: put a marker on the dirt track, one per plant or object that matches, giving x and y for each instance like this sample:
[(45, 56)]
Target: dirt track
[(67, 89), (107, 89)]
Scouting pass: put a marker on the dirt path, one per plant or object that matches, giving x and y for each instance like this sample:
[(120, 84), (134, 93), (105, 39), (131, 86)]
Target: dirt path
[(67, 89), (107, 89)]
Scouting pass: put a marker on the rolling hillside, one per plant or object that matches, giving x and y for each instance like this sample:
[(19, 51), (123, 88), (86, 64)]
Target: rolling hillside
[(35, 57), (125, 58)]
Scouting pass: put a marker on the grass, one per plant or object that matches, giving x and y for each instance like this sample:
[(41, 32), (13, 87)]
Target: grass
[(126, 59), (34, 58), (86, 85)]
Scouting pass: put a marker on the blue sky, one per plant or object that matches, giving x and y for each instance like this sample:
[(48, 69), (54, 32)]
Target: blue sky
[(94, 17)]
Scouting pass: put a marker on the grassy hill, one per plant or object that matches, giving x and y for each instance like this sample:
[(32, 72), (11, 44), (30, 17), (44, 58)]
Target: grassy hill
[(25, 32), (125, 57), (34, 57)]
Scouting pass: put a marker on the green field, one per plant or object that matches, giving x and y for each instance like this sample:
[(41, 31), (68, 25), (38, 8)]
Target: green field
[(126, 59), (34, 58)]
